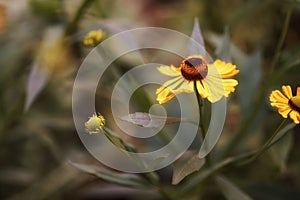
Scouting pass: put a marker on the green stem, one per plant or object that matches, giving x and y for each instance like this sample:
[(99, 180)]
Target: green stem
[(154, 180), (281, 40), (152, 177), (265, 146), (201, 116), (73, 25), (249, 120)]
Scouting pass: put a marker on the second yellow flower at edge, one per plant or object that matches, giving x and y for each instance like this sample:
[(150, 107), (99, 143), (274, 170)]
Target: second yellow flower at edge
[(286, 103), (213, 80)]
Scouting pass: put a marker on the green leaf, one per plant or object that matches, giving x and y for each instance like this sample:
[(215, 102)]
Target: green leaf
[(250, 77), (223, 50), (196, 45), (149, 120), (188, 163), (229, 190), (36, 82), (123, 179), (280, 151)]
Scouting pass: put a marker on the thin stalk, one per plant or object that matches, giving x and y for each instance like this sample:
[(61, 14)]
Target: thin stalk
[(265, 146), (281, 40), (201, 116), (153, 179), (73, 25)]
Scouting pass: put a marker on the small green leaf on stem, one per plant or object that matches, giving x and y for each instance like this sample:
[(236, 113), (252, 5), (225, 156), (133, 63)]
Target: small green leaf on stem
[(123, 179), (229, 190), (188, 163)]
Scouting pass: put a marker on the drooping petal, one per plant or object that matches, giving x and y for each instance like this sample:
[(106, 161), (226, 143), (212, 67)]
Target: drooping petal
[(226, 70), (298, 91), (169, 70), (202, 92), (294, 115), (165, 96), (168, 83), (287, 90), (284, 111), (229, 86), (166, 93), (214, 88), (277, 97)]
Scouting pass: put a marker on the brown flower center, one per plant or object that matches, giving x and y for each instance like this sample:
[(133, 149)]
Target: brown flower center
[(294, 103), (194, 69)]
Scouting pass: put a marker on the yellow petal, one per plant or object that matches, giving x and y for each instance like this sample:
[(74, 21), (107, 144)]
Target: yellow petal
[(284, 111), (169, 70), (165, 94), (294, 115), (229, 86), (226, 70), (287, 90), (298, 91), (202, 92), (277, 97), (214, 89), (168, 83)]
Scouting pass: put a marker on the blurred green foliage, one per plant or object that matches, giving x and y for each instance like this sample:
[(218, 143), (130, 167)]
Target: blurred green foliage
[(36, 144)]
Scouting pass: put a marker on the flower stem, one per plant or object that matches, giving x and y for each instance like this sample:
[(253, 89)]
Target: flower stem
[(73, 25), (265, 146), (281, 40), (154, 180), (201, 116)]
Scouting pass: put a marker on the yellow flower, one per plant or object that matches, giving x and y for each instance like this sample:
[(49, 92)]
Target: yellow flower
[(286, 103), (93, 38), (211, 79), (95, 124)]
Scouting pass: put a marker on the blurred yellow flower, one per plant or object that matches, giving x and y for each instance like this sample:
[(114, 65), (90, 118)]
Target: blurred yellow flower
[(93, 38), (211, 79), (286, 103), (95, 124)]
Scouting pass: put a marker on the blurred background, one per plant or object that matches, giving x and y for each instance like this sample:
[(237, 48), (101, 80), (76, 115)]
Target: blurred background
[(41, 50)]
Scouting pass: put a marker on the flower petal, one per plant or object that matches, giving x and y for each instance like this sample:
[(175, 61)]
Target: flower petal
[(226, 70), (168, 83), (202, 92), (294, 115), (229, 86), (277, 97), (284, 111), (298, 91), (287, 90), (175, 86), (169, 70)]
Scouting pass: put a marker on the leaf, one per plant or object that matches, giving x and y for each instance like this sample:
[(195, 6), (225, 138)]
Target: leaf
[(250, 77), (127, 180), (280, 151), (36, 82), (151, 166), (223, 50), (229, 190), (149, 120), (188, 163), (196, 44)]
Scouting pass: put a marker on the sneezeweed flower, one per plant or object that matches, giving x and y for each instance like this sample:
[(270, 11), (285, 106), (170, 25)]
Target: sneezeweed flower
[(212, 80), (93, 38), (95, 124), (286, 103)]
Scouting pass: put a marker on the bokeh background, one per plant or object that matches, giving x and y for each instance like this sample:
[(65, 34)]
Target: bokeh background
[(41, 50)]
